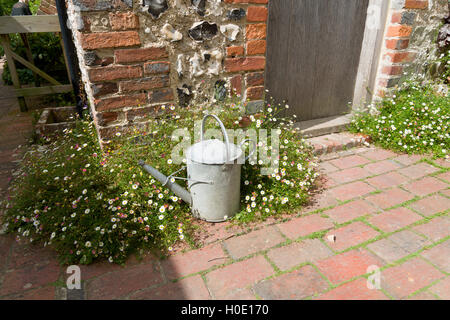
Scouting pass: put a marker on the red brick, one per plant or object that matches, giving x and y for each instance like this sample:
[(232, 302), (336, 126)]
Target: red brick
[(114, 39), (236, 85), (397, 44), (431, 205), (355, 290), (118, 284), (423, 295), (254, 79), (350, 235), (114, 73), (46, 293), (349, 162), (426, 186), (381, 167), (255, 31), (439, 256), (192, 288), (442, 289), (235, 51), (245, 64), (436, 229), (101, 89), (350, 211), (159, 96), (395, 219), (390, 198), (106, 118), (193, 261), (401, 281), (296, 285), (121, 102), (145, 83), (399, 31), (348, 265), (140, 55), (387, 180), (349, 175), (255, 93), (442, 162), (156, 67), (444, 176), (351, 190), (223, 282), (303, 226), (309, 250), (239, 247), (398, 57), (247, 1), (256, 47), (396, 17), (123, 20), (416, 4), (257, 14), (407, 159)]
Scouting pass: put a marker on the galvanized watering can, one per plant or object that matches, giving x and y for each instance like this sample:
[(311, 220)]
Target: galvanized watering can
[(213, 175)]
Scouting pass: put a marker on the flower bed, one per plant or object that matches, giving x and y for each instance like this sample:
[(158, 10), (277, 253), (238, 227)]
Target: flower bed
[(91, 205)]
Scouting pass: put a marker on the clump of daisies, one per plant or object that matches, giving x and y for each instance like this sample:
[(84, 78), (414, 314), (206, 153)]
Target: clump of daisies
[(415, 119), (98, 204)]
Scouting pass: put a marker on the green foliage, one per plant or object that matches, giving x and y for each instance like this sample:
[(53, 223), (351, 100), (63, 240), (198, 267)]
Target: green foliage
[(91, 205), (414, 120)]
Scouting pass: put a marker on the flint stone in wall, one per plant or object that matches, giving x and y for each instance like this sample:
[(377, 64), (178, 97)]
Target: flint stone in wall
[(220, 90), (236, 14), (185, 95), (200, 6), (201, 31), (155, 7)]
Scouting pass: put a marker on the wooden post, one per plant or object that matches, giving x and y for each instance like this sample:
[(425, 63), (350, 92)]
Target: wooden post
[(30, 56), (12, 69)]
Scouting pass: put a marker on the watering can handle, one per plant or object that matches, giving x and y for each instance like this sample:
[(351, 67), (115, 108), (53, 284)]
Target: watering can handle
[(254, 147), (224, 132)]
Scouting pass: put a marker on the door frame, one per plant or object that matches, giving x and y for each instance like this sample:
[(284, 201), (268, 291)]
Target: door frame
[(371, 51)]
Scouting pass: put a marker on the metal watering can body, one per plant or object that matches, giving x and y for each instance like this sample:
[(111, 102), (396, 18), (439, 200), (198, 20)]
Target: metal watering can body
[(214, 180)]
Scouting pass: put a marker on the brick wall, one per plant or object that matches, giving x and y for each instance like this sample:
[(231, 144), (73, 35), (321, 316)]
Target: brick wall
[(47, 7), (410, 40), (137, 57)]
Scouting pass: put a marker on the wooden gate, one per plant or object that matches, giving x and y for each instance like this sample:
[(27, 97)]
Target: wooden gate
[(313, 54)]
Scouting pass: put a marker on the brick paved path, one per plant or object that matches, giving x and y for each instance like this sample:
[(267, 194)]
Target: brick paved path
[(378, 209)]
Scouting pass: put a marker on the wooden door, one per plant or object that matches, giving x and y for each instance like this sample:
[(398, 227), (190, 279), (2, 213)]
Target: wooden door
[(313, 50)]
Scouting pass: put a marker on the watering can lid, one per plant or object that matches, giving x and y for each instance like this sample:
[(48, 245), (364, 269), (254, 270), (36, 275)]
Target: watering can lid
[(212, 152)]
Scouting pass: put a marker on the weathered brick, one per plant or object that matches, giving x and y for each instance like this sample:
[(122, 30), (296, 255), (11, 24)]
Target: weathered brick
[(114, 73), (395, 219), (254, 79), (256, 31), (426, 186), (245, 64), (145, 83), (142, 114), (156, 67), (349, 175), (399, 31), (235, 51), (117, 284), (348, 162), (309, 250), (255, 93), (387, 250), (121, 102), (351, 190), (223, 282), (257, 14), (101, 89), (114, 39), (46, 293), (431, 205), (192, 288), (303, 226), (193, 261), (350, 211), (390, 198), (295, 285), (247, 1), (381, 167), (401, 281), (397, 44), (123, 20), (350, 235), (106, 118), (439, 256), (354, 290), (256, 47), (140, 55), (397, 57), (409, 241), (442, 289), (239, 247), (159, 96), (407, 159), (348, 265), (236, 84), (436, 229), (387, 180), (416, 4)]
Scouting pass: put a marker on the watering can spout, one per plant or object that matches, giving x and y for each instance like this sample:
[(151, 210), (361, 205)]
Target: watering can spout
[(176, 188)]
